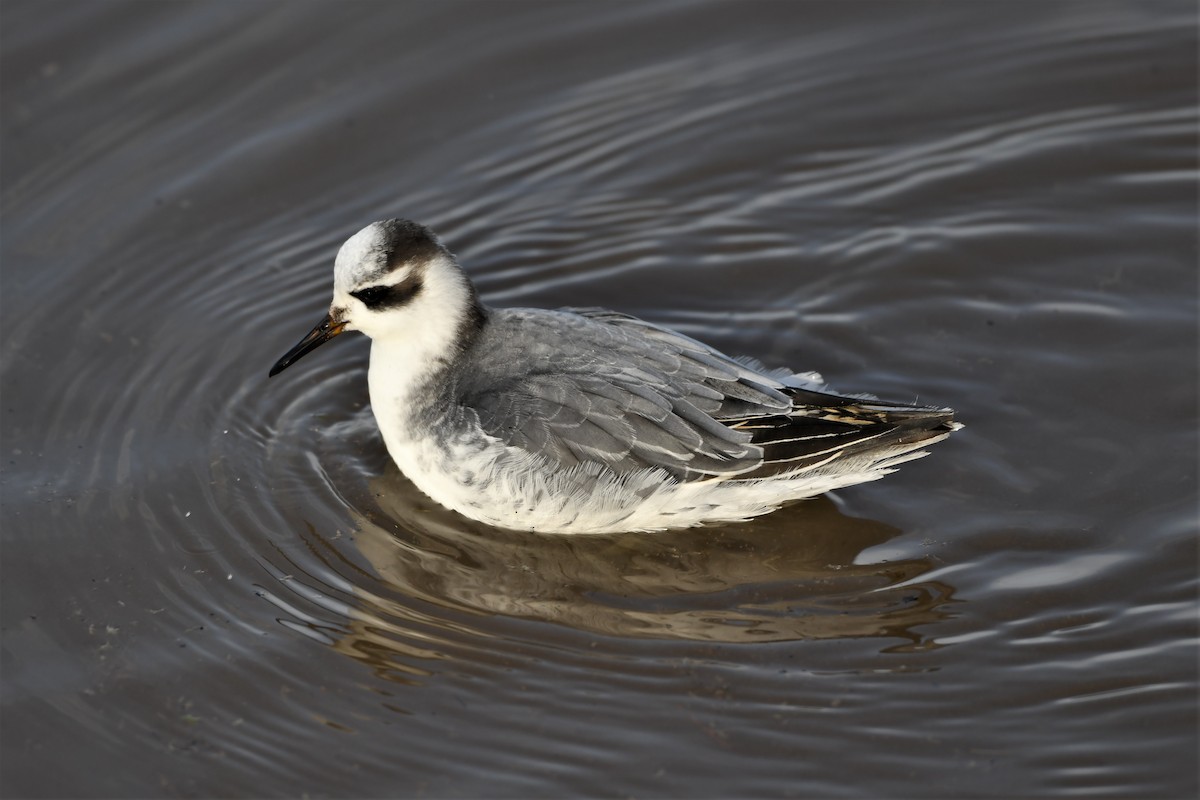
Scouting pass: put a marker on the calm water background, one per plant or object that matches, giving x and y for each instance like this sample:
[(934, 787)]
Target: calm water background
[(218, 586)]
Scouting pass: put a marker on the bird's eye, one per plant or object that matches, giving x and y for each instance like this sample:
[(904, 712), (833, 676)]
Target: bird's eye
[(378, 298), (372, 296)]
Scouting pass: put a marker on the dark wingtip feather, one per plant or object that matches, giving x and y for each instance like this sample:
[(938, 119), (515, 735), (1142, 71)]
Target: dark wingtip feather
[(823, 427)]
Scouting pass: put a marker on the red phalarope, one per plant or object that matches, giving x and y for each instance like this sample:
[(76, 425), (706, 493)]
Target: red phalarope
[(586, 420)]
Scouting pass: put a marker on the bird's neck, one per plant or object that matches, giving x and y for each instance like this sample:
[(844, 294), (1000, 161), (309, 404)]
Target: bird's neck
[(409, 373)]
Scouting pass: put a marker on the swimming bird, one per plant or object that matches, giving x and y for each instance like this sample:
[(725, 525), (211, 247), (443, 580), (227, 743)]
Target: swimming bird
[(588, 420)]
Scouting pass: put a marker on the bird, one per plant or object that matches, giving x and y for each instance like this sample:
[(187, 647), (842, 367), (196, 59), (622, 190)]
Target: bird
[(586, 420)]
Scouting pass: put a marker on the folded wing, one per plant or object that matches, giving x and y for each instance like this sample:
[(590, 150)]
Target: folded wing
[(596, 386)]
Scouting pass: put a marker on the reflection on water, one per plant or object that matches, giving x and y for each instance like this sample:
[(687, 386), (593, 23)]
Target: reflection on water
[(788, 576)]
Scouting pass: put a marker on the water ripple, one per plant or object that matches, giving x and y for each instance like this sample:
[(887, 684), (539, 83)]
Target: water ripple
[(225, 578)]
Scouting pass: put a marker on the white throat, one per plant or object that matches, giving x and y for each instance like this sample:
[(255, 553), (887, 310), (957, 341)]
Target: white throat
[(417, 341)]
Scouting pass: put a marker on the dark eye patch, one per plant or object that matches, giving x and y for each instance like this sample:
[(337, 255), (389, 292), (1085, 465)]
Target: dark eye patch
[(381, 297)]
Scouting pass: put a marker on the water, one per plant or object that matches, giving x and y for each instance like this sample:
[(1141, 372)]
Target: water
[(216, 585)]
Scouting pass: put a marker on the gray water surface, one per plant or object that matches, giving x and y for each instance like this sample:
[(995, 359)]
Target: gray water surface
[(219, 586)]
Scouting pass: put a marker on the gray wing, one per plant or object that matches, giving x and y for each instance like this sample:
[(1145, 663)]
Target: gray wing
[(594, 385), (599, 386)]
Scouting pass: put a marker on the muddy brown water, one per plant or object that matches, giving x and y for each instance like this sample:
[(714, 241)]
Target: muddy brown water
[(218, 586)]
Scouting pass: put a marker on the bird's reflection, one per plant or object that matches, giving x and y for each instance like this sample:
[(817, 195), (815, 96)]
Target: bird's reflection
[(787, 576)]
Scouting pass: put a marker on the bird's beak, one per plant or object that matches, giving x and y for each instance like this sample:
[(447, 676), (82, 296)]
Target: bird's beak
[(325, 330)]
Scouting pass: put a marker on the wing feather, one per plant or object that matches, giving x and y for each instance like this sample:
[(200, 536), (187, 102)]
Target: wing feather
[(597, 386)]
